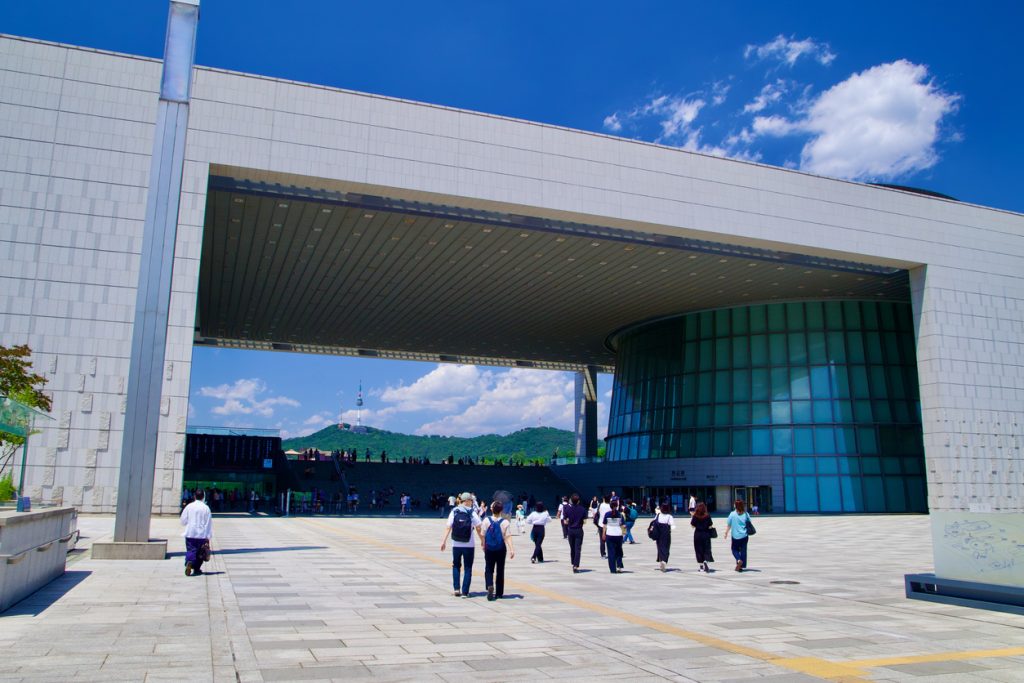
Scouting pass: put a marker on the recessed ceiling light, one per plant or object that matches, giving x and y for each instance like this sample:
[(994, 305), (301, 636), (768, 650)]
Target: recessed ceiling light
[(325, 210), (629, 248), (487, 229), (449, 225), (808, 272), (780, 267), (504, 251), (721, 277), (276, 225), (835, 274), (692, 274), (722, 260), (570, 259), (282, 205), (431, 242), (664, 270), (524, 234), (603, 263), (751, 265), (692, 256), (595, 244), (661, 253), (367, 215), (395, 238), (236, 220), (633, 267), (357, 234), (318, 229), (559, 239), (468, 246)]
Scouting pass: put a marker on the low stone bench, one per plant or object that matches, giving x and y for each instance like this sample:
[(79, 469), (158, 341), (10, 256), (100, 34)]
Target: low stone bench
[(33, 550)]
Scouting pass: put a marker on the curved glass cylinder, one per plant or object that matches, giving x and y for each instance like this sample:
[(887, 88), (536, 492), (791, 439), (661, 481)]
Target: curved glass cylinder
[(828, 387)]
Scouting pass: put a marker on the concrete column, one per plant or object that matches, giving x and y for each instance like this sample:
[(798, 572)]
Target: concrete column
[(972, 405), (152, 302), (586, 414)]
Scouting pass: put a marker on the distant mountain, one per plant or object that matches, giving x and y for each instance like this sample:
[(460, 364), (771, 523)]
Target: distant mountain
[(530, 443)]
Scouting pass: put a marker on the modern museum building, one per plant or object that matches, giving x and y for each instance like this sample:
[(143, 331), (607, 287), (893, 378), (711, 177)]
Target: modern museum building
[(818, 344)]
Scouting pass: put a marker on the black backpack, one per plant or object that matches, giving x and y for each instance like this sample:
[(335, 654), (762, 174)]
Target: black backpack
[(654, 529), (462, 525)]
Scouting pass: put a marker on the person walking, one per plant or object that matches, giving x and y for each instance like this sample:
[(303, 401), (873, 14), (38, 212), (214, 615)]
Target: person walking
[(702, 530), (462, 522), (611, 535), (738, 526), (496, 543), (198, 523), (520, 518), (537, 521), (661, 531), (602, 509), (573, 517), (631, 514), (559, 514)]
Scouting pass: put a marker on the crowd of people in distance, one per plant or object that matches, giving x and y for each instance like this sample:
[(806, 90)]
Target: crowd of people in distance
[(349, 457), (613, 517)]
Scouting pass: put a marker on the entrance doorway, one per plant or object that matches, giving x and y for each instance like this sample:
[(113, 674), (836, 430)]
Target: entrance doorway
[(758, 499)]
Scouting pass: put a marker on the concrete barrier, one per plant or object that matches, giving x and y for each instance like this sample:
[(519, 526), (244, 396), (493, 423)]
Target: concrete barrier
[(33, 550)]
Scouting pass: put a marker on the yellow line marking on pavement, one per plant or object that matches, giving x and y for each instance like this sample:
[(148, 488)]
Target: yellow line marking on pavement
[(941, 657), (821, 668)]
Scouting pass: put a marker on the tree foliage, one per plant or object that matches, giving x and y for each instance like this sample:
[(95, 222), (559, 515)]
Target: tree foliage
[(527, 445), (17, 381)]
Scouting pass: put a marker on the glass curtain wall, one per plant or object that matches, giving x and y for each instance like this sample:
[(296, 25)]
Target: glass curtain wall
[(829, 387)]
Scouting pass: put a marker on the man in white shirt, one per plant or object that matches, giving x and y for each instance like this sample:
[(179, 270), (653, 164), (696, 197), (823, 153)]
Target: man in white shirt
[(198, 525), (603, 510), (463, 522)]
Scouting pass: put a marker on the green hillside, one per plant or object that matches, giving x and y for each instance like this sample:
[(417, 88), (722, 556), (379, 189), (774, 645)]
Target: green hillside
[(527, 444)]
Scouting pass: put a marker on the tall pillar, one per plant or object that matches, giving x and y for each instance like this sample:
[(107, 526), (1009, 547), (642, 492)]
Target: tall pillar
[(967, 325), (586, 414), (152, 301)]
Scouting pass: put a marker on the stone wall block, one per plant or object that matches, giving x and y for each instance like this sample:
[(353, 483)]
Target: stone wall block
[(74, 496), (89, 477), (50, 457), (65, 420), (165, 406), (48, 476), (57, 495), (105, 421), (85, 404), (92, 366), (80, 383), (63, 438), (102, 440), (169, 371)]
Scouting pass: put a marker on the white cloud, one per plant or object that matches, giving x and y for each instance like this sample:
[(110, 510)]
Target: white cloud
[(677, 115), (242, 398), (719, 92), (789, 50), (770, 94), (368, 416), (612, 123), (320, 420), (773, 126), (447, 387), (511, 400), (878, 124)]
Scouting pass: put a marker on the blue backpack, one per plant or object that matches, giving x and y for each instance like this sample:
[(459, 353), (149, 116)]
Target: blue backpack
[(493, 539)]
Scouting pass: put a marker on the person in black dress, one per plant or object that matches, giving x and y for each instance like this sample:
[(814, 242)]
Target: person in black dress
[(663, 524), (701, 523)]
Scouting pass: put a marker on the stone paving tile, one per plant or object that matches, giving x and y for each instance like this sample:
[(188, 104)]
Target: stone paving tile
[(335, 595)]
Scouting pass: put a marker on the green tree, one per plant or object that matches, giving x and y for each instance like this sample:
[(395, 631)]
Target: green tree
[(17, 381)]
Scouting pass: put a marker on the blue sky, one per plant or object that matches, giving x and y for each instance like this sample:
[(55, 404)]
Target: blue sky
[(927, 95)]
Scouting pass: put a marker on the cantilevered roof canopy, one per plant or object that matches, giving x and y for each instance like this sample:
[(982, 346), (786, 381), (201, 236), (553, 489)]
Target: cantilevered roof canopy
[(309, 270)]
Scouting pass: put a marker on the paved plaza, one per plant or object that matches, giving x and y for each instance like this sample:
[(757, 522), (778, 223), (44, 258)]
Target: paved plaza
[(371, 599)]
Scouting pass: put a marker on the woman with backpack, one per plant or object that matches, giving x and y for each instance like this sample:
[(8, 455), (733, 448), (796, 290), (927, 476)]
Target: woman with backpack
[(660, 531), (537, 521), (496, 542), (740, 528), (611, 534)]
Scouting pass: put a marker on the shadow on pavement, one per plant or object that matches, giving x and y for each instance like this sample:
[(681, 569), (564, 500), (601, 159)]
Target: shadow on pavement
[(241, 551), (35, 604)]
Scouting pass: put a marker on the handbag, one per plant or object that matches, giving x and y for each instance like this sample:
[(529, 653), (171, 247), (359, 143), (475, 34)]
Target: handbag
[(205, 552), (652, 529), (712, 532), (750, 527)]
